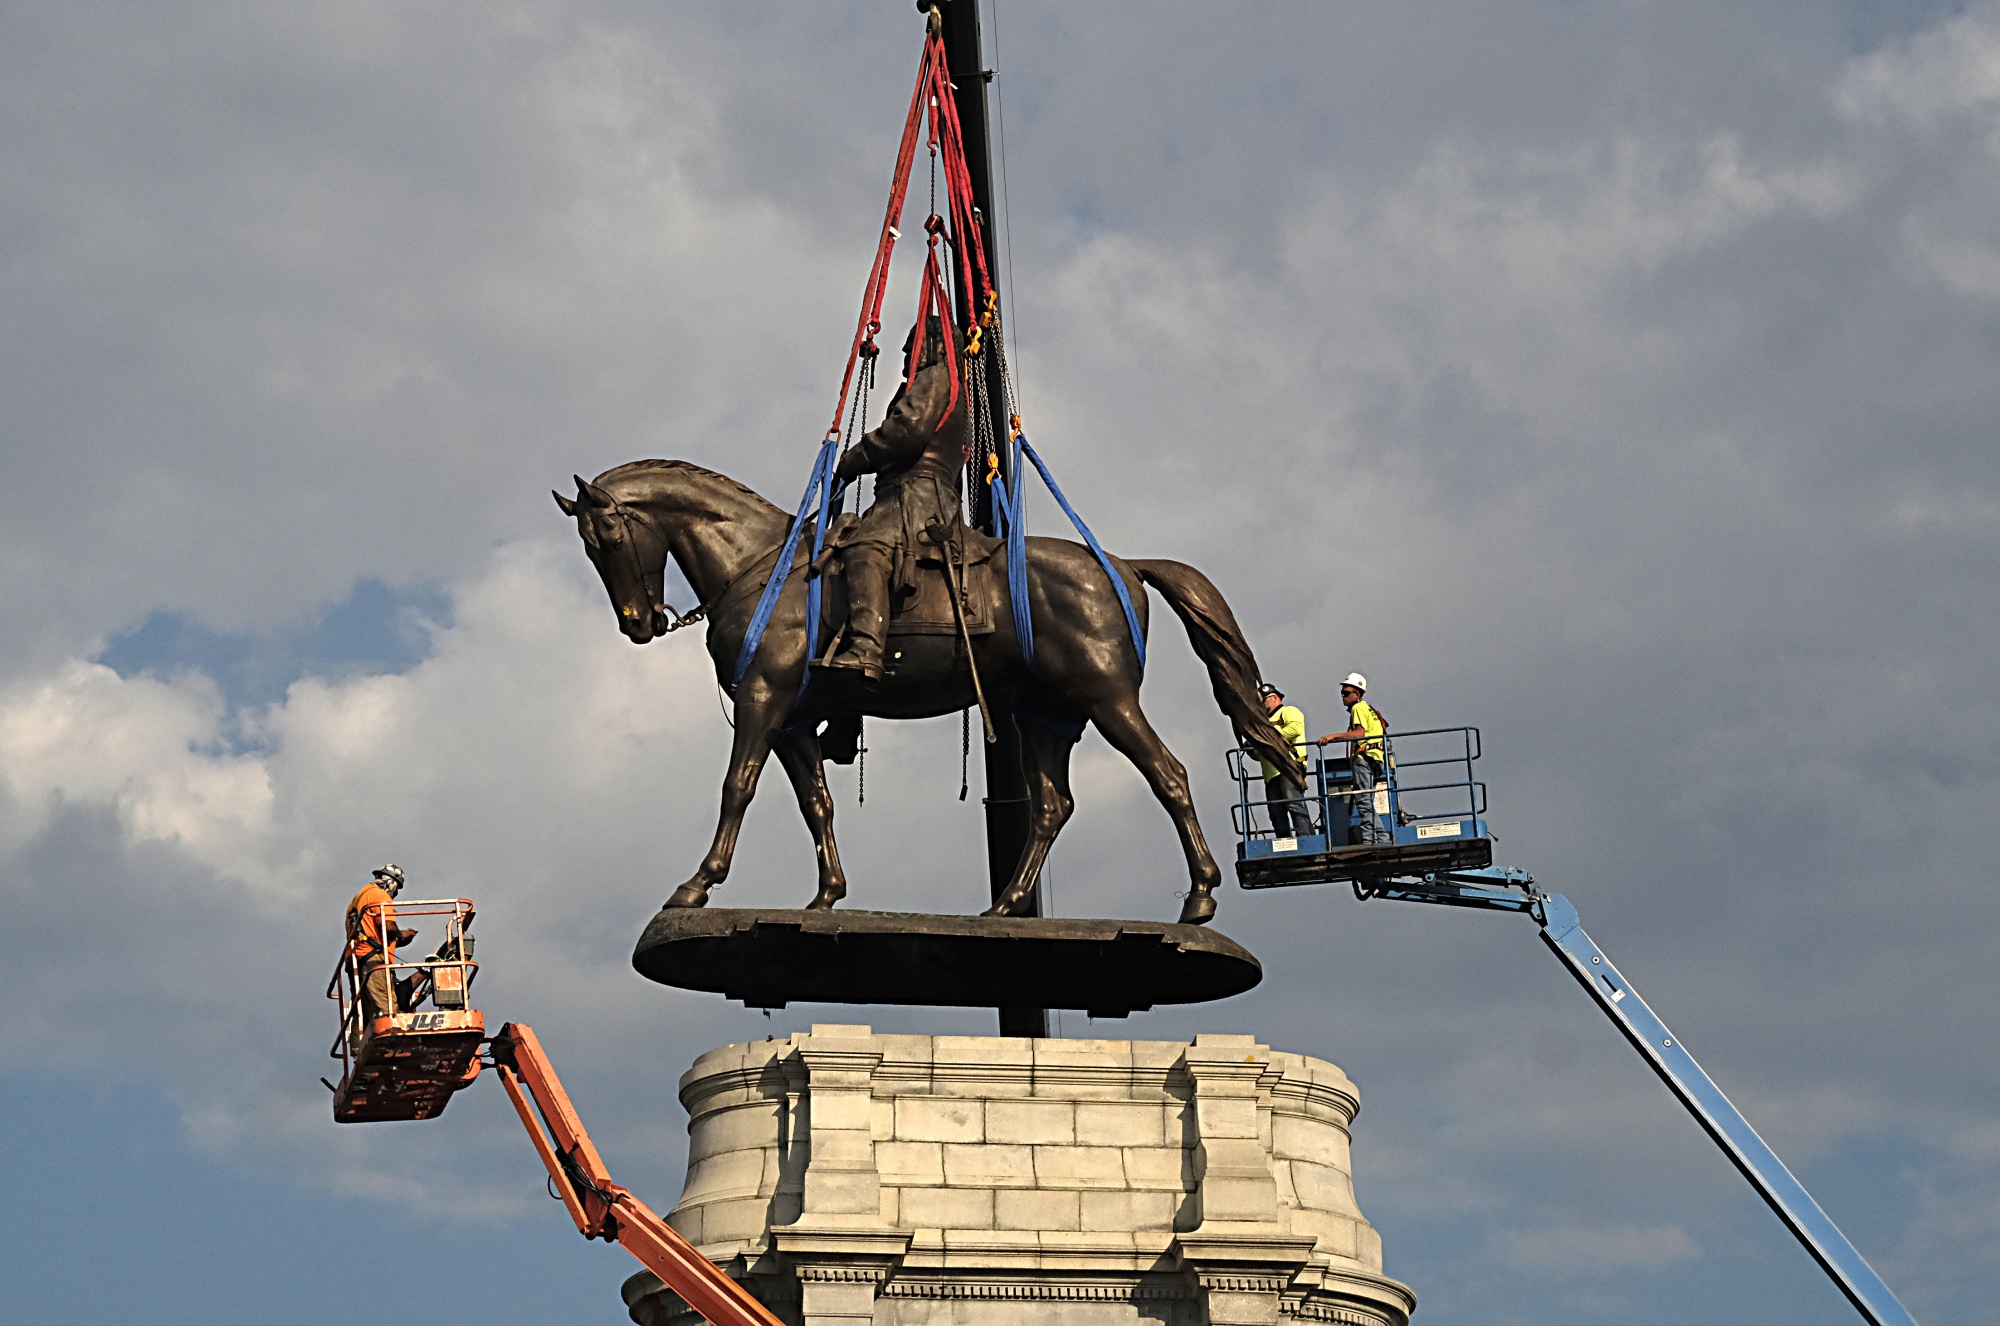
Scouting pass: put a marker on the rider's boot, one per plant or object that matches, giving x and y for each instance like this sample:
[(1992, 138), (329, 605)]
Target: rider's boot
[(866, 570)]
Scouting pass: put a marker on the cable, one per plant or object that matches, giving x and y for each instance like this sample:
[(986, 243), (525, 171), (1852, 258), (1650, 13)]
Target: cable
[(1006, 214)]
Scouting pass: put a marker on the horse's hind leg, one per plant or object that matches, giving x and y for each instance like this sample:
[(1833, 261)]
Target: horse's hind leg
[(1045, 769), (1126, 728), (799, 753)]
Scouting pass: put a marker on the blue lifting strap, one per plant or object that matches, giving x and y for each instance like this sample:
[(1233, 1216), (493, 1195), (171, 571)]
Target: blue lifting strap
[(823, 486), (1007, 502)]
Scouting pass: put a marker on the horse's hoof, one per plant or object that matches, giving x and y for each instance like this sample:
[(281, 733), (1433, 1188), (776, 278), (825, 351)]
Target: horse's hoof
[(1198, 908), (687, 895), (1005, 907), (824, 900)]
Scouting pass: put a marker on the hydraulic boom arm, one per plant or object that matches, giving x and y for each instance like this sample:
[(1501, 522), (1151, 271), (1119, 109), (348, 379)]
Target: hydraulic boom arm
[(601, 1208), (1663, 1052)]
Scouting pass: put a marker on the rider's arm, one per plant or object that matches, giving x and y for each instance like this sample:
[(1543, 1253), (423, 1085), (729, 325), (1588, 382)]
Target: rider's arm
[(912, 421)]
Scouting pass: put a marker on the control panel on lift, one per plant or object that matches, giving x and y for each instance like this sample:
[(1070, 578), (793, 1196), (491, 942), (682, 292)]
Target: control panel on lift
[(1423, 815), (407, 1062)]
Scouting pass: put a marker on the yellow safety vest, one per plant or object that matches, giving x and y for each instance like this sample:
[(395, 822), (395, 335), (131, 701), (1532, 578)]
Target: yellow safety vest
[(1361, 714), (1291, 725)]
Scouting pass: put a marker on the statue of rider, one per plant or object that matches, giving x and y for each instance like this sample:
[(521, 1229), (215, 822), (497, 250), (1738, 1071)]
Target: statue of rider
[(916, 456)]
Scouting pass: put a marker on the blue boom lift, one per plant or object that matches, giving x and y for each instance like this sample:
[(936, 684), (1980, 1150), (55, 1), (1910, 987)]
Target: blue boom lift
[(1430, 807)]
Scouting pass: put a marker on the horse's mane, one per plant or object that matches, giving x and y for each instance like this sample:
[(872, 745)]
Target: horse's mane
[(632, 467)]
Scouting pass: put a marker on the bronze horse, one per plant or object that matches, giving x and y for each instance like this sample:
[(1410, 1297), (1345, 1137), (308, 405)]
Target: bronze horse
[(726, 539)]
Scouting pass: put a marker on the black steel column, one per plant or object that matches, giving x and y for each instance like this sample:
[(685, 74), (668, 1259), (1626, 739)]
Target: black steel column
[(1006, 786)]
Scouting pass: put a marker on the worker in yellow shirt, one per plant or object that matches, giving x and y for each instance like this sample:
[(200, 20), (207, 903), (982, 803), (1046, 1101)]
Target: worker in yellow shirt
[(1365, 755), (1289, 818), (372, 937)]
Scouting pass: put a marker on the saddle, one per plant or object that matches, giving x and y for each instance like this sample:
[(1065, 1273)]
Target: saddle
[(919, 584), (920, 589)]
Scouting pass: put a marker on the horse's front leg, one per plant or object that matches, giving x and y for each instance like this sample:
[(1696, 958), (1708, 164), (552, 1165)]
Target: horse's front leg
[(799, 752), (756, 725)]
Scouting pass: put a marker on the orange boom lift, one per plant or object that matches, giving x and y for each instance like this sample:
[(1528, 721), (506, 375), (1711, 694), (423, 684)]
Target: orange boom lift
[(409, 1064)]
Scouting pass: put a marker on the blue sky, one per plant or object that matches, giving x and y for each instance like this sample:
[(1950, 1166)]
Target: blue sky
[(1621, 375), (111, 1202), (377, 629)]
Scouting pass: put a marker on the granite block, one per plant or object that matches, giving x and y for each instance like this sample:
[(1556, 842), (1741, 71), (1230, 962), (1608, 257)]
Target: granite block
[(946, 1208), (1297, 1138), (936, 1119), (1128, 1210), (1167, 1168), (1031, 1121), (727, 1173), (1079, 1167), (740, 1127), (910, 1162), (842, 1109), (1120, 1123), (1037, 1209), (1322, 1188), (988, 1164)]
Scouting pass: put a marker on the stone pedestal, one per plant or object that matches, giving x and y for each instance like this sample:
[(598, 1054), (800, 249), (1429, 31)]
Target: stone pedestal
[(852, 1179)]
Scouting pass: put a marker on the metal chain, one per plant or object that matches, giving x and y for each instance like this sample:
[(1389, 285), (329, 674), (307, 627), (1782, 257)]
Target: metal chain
[(861, 762), (859, 412), (977, 465), (964, 750), (858, 415), (981, 410), (999, 353)]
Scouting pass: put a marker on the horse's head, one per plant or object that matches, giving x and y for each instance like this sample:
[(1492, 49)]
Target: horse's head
[(629, 551)]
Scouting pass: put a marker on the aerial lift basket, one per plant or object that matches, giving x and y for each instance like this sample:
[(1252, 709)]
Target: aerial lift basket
[(407, 1064)]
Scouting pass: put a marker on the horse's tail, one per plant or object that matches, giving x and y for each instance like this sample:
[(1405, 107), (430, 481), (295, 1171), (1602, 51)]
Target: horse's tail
[(1218, 640)]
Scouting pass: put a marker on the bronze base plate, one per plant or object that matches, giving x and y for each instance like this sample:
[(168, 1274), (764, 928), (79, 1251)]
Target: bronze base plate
[(770, 958)]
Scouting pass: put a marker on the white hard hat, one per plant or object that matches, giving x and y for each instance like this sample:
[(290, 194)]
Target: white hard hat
[(393, 873), (1356, 680)]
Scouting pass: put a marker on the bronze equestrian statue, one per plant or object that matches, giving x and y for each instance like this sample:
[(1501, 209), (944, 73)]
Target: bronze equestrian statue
[(726, 540)]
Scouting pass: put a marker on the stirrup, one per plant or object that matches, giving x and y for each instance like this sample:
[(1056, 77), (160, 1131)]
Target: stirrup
[(851, 660)]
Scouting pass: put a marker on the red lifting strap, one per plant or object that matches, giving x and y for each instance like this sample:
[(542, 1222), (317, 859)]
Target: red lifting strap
[(933, 93)]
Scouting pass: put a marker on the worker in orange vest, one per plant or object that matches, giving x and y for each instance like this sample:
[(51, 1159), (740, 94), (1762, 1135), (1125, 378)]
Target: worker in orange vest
[(372, 936)]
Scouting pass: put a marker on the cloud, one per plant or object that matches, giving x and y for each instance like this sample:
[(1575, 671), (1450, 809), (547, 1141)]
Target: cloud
[(1595, 1249), (1948, 69), (85, 736)]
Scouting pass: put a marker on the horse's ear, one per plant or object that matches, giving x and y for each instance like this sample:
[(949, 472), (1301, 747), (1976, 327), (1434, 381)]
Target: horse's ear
[(591, 493), (568, 507)]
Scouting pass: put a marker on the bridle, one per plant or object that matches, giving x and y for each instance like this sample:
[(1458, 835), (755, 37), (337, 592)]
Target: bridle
[(626, 516)]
